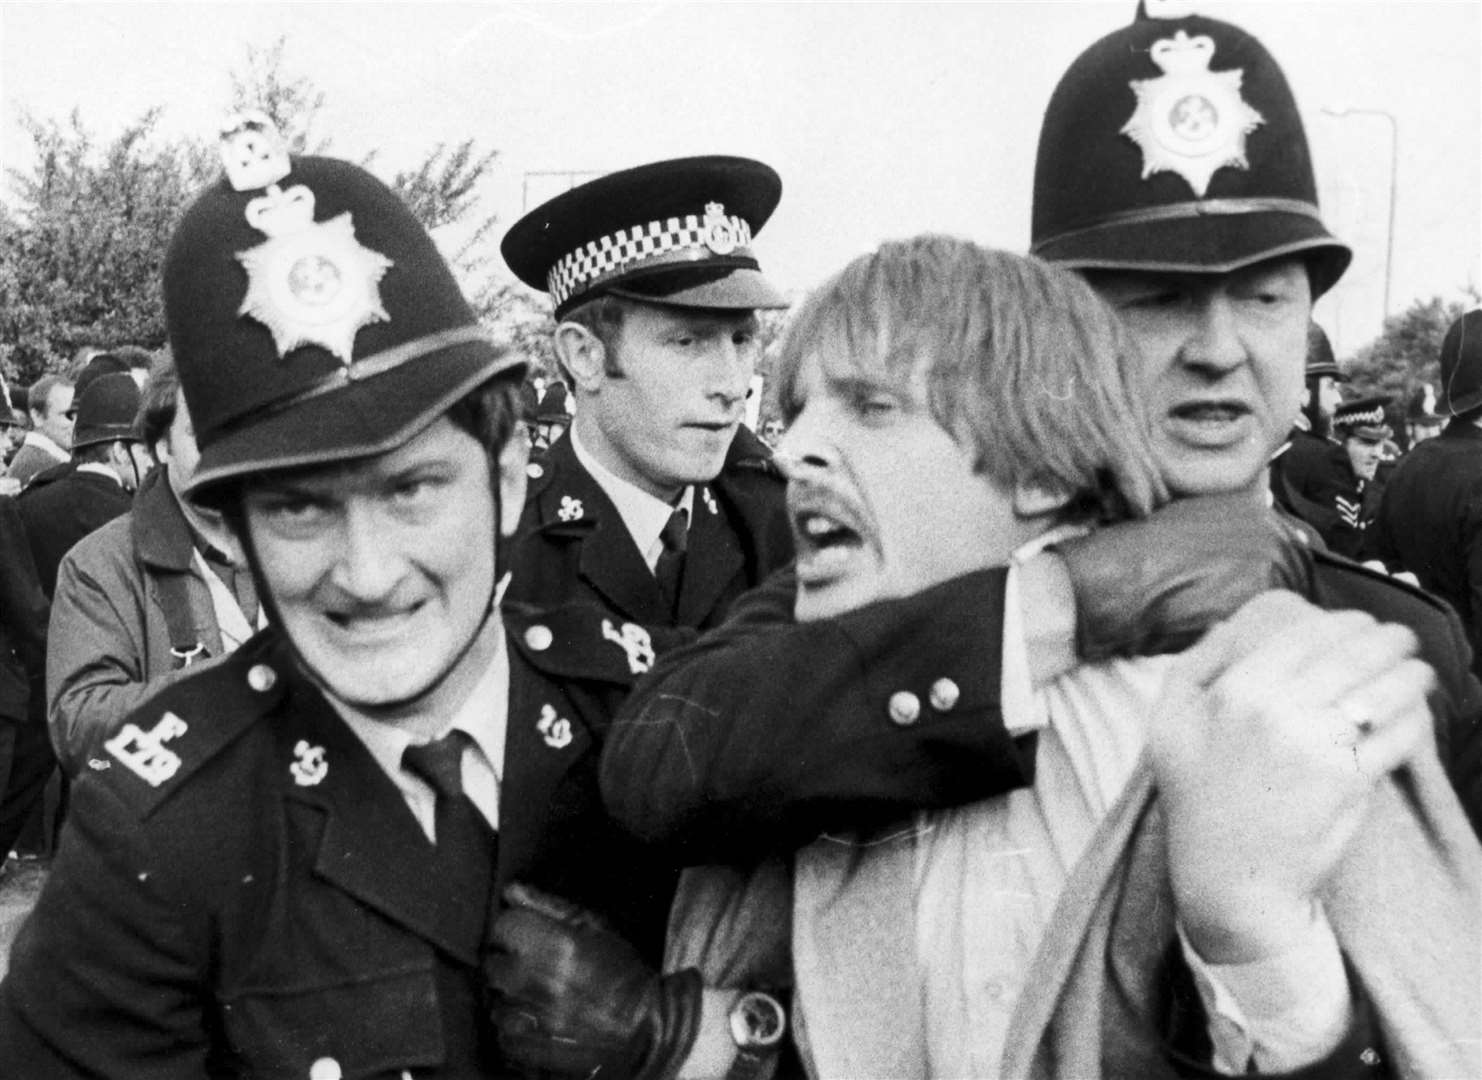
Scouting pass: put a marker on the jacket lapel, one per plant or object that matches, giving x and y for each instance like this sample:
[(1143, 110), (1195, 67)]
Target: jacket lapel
[(713, 559), (610, 560), (543, 740), (370, 845)]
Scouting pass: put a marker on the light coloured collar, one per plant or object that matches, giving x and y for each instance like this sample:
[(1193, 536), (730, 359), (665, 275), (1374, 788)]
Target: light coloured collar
[(645, 515), (483, 716), (44, 442), (101, 470)]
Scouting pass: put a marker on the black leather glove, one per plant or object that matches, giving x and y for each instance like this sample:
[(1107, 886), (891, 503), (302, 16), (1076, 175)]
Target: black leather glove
[(1156, 584), (573, 997)]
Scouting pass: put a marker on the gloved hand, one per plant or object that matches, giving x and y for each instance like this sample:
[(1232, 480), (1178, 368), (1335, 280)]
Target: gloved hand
[(573, 997), (1156, 584)]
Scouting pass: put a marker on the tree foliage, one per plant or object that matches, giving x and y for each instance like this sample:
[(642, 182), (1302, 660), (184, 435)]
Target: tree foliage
[(80, 256), (1405, 356), (83, 240)]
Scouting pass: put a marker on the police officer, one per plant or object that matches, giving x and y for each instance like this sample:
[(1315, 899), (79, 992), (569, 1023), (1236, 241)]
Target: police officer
[(658, 504), (283, 865), (1430, 519), (1305, 464), (1173, 172), (1359, 427)]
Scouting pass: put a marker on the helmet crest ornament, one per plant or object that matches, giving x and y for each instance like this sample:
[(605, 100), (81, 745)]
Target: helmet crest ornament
[(309, 283), (1190, 120)]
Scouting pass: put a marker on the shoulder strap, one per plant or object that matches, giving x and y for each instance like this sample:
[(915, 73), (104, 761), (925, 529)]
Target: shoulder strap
[(186, 646)]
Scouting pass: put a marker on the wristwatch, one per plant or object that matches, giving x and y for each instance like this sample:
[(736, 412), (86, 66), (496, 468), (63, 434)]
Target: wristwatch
[(758, 1022)]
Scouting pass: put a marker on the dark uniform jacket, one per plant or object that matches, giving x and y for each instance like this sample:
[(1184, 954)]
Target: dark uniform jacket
[(573, 545), (61, 508), (252, 894), (1313, 480), (23, 614), (1430, 522), (768, 733)]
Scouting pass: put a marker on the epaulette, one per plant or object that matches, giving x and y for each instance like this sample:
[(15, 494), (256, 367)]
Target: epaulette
[(579, 641), (168, 739)]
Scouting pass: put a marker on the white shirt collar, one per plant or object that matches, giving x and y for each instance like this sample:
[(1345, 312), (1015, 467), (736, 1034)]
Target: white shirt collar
[(484, 716), (44, 442), (101, 470), (645, 515)]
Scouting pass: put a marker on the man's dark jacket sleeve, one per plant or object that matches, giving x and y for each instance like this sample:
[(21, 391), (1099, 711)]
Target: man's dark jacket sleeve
[(767, 732)]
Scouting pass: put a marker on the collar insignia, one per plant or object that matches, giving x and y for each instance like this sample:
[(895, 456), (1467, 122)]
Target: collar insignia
[(144, 754), (309, 766), (634, 641), (556, 730), (709, 500), (570, 510), (1190, 120)]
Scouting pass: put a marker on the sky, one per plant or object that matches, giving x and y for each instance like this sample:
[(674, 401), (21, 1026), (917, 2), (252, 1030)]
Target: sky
[(884, 119)]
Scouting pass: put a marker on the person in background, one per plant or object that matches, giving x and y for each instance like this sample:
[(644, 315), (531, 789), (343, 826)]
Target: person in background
[(658, 504), (146, 596), (1430, 518), (49, 405), (1305, 467), (62, 506), (1351, 495)]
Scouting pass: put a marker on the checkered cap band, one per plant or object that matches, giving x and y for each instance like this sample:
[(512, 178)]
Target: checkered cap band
[(674, 240), (1354, 419)]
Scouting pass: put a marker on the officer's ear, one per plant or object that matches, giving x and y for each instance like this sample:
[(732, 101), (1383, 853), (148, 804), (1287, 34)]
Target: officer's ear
[(582, 353), (513, 459), (1037, 498)]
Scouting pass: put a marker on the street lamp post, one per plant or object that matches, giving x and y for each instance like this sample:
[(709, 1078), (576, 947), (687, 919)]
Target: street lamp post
[(1394, 165)]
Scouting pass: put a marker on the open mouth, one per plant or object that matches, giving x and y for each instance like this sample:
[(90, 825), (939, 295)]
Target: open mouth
[(826, 534)]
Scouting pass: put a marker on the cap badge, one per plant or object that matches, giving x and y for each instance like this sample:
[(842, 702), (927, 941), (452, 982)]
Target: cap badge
[(556, 730), (720, 234), (144, 754), (635, 643), (310, 283), (1190, 120)]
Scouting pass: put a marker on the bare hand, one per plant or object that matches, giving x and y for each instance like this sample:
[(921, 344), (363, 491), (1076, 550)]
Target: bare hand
[(1270, 737)]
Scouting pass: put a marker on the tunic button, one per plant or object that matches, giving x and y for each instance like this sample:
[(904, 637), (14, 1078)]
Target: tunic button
[(534, 471), (326, 1068), (262, 679), (944, 695), (905, 707), (539, 638)]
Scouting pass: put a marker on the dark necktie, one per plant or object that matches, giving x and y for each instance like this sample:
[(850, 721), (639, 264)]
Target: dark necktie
[(669, 570), (465, 843)]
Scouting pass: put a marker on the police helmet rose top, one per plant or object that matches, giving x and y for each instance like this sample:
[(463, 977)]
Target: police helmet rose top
[(311, 316)]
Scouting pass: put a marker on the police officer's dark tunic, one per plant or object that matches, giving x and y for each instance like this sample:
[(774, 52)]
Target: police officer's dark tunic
[(572, 544), (272, 902)]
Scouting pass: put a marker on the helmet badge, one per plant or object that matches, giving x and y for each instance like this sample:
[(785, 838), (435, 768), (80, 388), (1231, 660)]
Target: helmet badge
[(309, 283), (1190, 120)]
